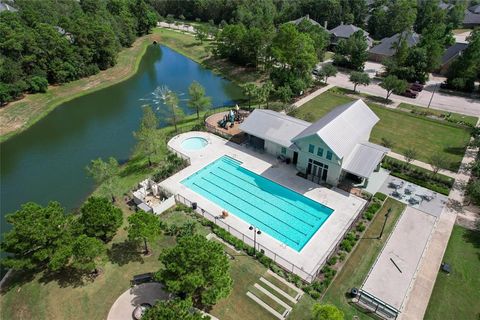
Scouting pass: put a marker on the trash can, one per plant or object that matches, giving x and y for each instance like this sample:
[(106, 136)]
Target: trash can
[(194, 205), (353, 292)]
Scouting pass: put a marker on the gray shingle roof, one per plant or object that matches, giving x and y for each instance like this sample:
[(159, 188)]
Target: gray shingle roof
[(387, 45), (307, 17), (346, 30), (453, 52), (471, 17), (343, 127), (273, 126), (7, 7)]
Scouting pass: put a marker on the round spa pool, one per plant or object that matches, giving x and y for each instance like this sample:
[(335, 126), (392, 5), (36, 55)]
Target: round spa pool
[(194, 143)]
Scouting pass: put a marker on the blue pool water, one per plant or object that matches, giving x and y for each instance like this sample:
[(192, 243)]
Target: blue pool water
[(288, 216), (194, 143)]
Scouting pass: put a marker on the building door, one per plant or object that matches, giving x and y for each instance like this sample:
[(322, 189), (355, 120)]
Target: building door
[(317, 171), (295, 157)]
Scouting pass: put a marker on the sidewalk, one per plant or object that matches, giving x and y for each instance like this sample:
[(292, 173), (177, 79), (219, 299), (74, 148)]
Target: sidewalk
[(422, 287), (312, 95), (423, 165)]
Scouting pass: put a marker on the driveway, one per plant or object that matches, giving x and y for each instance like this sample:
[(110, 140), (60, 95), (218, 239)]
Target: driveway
[(149, 293)]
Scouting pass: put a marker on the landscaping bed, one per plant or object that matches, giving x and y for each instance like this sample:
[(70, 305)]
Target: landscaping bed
[(420, 176)]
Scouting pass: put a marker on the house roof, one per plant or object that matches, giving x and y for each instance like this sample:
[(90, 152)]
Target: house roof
[(7, 7), (453, 52), (386, 46), (475, 9), (346, 30), (364, 158), (273, 126), (472, 15), (307, 17), (343, 127)]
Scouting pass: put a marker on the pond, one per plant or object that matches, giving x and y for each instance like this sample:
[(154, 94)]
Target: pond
[(47, 161)]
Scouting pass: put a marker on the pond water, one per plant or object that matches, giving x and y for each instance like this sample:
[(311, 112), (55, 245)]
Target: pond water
[(47, 161)]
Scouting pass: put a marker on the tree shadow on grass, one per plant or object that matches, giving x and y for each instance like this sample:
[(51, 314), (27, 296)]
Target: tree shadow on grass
[(460, 151), (17, 279), (473, 237), (67, 277), (125, 252)]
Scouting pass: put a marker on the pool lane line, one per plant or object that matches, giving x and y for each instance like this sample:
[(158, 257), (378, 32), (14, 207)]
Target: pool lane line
[(253, 217), (275, 196), (290, 203), (244, 212), (260, 209), (275, 206)]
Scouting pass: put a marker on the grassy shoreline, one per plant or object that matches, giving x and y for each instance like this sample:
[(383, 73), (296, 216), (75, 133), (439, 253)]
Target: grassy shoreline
[(22, 114)]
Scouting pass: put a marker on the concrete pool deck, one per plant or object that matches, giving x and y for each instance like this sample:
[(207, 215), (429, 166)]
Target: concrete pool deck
[(346, 206)]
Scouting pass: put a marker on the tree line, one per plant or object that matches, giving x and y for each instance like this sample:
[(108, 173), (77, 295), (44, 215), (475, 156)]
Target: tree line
[(54, 42)]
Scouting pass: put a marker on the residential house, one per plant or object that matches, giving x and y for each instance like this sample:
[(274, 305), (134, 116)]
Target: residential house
[(388, 46), (326, 151), (452, 53), (472, 17), (345, 31), (307, 17), (7, 7)]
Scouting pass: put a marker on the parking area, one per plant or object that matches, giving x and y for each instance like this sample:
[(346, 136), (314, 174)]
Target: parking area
[(392, 275)]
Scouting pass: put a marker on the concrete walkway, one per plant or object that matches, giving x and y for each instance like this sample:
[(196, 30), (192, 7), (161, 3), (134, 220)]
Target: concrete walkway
[(312, 95), (417, 300), (423, 165)]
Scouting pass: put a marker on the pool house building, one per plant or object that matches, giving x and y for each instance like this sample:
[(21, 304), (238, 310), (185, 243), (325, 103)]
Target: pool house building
[(330, 150)]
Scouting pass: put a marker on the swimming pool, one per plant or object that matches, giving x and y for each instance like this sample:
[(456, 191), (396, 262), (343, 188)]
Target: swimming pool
[(286, 215), (194, 143)]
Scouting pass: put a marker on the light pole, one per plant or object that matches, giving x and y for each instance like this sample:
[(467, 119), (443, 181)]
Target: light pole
[(385, 222), (255, 232)]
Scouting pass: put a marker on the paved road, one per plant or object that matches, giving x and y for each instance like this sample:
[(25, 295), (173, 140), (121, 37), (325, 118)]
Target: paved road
[(440, 101)]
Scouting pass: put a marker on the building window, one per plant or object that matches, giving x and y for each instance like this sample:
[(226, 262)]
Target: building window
[(320, 152), (284, 151), (329, 155), (311, 148)]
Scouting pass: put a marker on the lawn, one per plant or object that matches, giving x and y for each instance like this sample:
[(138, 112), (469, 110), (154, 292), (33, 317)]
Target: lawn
[(457, 295), (405, 130), (190, 47), (361, 260)]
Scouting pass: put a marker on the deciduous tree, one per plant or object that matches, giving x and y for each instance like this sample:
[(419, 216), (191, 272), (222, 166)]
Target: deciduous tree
[(393, 84), (196, 268), (143, 226), (326, 312), (149, 139), (409, 154), (328, 71), (198, 100), (105, 174), (359, 78)]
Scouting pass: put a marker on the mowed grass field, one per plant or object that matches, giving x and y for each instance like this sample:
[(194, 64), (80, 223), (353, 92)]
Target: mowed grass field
[(457, 295), (361, 260), (405, 130)]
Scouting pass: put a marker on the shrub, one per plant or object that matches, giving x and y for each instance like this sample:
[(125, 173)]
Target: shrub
[(346, 245), (250, 251), (360, 227), (342, 255), (380, 196), (332, 261)]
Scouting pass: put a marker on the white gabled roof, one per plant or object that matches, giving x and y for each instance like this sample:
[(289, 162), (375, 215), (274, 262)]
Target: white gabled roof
[(364, 158), (273, 126), (343, 127)]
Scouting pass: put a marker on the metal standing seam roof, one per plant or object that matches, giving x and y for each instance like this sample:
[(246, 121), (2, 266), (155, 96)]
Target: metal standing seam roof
[(343, 127), (364, 158), (386, 46), (273, 126)]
